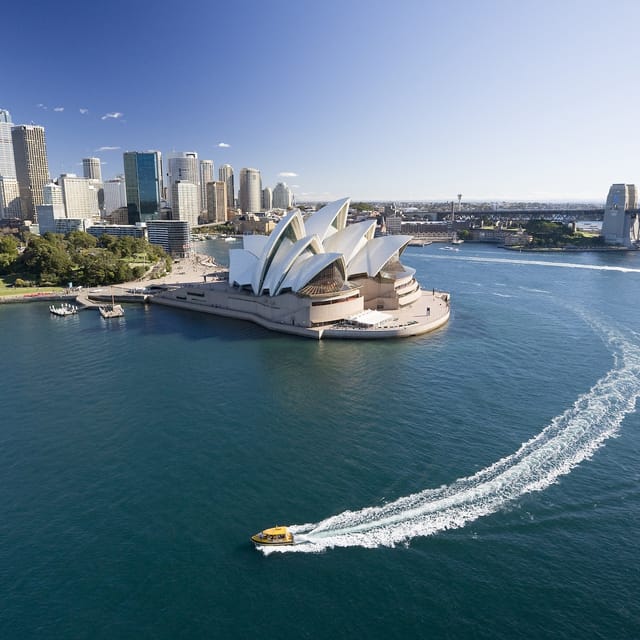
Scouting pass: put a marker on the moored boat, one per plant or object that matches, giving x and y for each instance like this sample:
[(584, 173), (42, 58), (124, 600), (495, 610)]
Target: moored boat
[(63, 310), (278, 535), (111, 311)]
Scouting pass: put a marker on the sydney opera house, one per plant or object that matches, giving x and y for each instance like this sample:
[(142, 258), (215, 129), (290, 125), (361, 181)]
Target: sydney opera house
[(319, 277)]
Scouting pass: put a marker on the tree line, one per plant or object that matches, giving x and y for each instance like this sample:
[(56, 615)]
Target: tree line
[(54, 259)]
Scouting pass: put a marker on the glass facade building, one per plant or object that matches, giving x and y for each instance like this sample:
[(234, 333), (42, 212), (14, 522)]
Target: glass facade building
[(143, 179)]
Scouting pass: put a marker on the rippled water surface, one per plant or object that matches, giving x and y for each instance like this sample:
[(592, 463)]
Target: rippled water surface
[(479, 482)]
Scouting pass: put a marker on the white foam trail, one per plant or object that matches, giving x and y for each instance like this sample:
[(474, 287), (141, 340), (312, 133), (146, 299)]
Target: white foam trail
[(540, 263), (569, 439)]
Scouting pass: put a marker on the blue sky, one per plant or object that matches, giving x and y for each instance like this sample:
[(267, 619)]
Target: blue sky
[(364, 98)]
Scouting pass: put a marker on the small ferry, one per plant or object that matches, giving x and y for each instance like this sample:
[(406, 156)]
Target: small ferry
[(111, 311), (274, 536)]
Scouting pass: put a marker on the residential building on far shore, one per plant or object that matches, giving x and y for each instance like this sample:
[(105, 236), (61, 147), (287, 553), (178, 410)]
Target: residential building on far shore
[(217, 201), (250, 194)]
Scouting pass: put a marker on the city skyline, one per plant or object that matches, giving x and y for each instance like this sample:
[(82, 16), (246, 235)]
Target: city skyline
[(419, 101)]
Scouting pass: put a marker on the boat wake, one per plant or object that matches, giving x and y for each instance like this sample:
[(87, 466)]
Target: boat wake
[(540, 263), (566, 441)]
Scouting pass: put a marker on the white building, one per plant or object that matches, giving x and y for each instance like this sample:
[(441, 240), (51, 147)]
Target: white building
[(250, 194), (282, 196), (80, 196), (115, 195), (9, 198), (206, 176), (183, 167), (185, 199), (52, 194), (7, 163), (32, 166), (48, 214)]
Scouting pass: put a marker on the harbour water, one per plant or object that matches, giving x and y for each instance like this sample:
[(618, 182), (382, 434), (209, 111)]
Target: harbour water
[(478, 482)]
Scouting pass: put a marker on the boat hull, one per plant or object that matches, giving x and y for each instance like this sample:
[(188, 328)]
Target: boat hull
[(274, 537)]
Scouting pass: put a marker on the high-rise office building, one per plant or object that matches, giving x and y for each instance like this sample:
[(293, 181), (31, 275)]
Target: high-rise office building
[(185, 199), (250, 194), (32, 167), (91, 168), (206, 176), (7, 163), (225, 173), (115, 195), (183, 167), (267, 199), (9, 198), (282, 196), (80, 196), (143, 178), (52, 194), (217, 201)]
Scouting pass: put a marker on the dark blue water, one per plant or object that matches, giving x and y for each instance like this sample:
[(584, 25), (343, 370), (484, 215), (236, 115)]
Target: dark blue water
[(480, 482)]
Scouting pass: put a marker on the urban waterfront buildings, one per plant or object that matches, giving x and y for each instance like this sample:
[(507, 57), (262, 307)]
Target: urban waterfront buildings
[(32, 167), (250, 194), (115, 195), (173, 236), (143, 178), (183, 166), (7, 162), (80, 196)]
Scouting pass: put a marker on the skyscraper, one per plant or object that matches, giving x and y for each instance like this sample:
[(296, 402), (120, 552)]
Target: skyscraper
[(7, 163), (91, 168), (282, 196), (185, 196), (217, 201), (267, 199), (143, 177), (225, 173), (183, 166), (32, 167), (250, 194), (206, 175), (115, 195)]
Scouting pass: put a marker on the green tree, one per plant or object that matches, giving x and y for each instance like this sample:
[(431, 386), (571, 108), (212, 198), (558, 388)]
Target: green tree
[(8, 253), (80, 240)]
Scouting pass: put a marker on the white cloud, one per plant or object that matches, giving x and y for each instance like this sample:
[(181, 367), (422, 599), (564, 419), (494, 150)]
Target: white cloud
[(107, 148), (115, 115), (42, 106), (223, 145), (58, 108), (288, 174), (83, 111)]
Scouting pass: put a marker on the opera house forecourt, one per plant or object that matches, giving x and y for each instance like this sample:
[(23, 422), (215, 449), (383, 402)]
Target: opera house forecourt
[(318, 277)]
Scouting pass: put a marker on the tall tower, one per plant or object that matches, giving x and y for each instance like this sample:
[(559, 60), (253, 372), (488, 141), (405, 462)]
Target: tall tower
[(32, 167), (91, 168), (217, 201), (267, 199), (225, 173), (250, 194), (143, 178), (206, 175), (183, 167), (7, 163), (9, 198), (282, 196), (185, 196)]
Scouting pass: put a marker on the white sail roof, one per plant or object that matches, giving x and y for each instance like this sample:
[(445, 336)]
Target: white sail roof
[(242, 266), (351, 239), (376, 253), (328, 220)]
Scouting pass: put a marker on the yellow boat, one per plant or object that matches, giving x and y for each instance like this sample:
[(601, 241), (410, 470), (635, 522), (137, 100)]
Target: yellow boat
[(274, 536)]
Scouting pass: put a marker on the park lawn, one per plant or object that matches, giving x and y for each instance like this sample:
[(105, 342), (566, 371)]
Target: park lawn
[(6, 290)]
